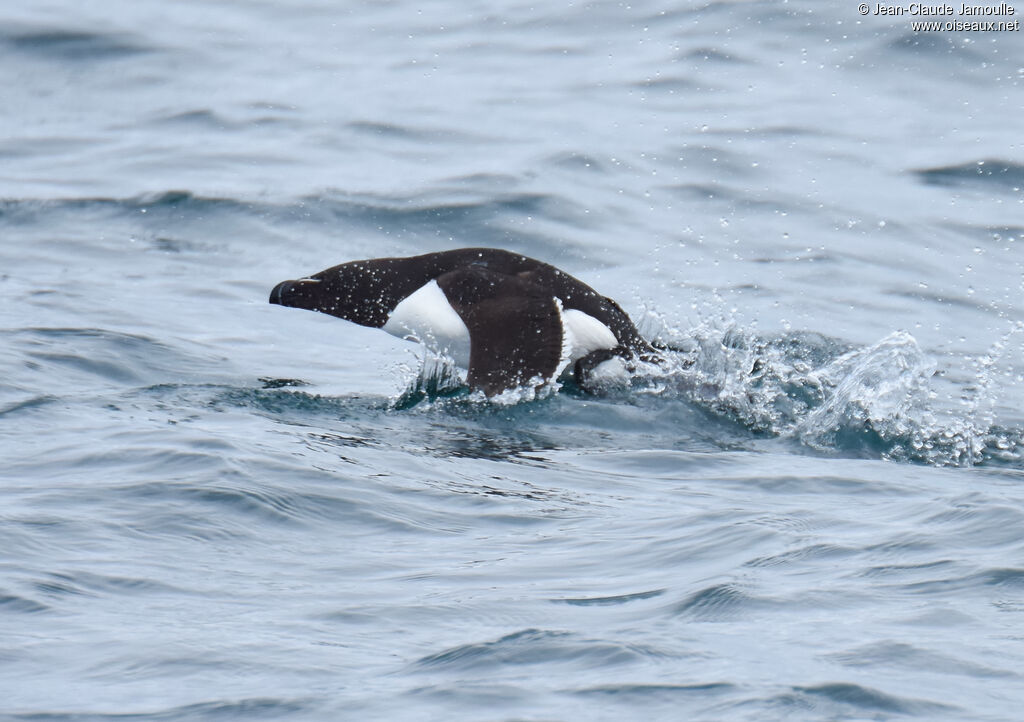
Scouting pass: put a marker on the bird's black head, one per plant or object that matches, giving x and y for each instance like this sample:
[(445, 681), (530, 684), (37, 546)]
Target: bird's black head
[(364, 292)]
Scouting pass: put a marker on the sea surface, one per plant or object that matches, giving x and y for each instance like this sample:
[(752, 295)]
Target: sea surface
[(212, 508)]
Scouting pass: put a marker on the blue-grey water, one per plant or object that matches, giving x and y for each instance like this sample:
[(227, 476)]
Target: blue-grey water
[(212, 508)]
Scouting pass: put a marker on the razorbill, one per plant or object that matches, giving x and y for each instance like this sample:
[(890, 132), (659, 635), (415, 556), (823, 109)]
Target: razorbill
[(508, 319)]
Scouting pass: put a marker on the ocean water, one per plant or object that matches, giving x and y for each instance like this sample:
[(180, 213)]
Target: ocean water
[(212, 508)]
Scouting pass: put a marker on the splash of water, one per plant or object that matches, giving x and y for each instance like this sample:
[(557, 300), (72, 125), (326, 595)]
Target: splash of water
[(877, 401), (437, 377)]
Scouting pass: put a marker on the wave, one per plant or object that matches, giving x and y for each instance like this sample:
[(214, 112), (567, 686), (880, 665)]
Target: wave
[(250, 708), (468, 210), (536, 646), (874, 402), (66, 44), (718, 388), (989, 174)]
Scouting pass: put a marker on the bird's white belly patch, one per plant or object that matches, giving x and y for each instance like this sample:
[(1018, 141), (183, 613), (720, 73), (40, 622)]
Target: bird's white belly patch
[(426, 317), (585, 334)]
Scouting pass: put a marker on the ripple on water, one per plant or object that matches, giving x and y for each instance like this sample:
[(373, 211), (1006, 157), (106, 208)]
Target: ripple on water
[(65, 589), (643, 693), (991, 174), (63, 44), (28, 404), (21, 605), (610, 601), (251, 708), (843, 699), (85, 355), (901, 655), (536, 646), (978, 582), (718, 603), (803, 555)]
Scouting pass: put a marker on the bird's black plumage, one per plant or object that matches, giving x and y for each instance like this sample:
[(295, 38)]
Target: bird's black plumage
[(508, 302)]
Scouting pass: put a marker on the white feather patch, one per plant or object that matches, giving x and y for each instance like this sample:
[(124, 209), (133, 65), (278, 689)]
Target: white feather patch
[(585, 334), (426, 317)]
